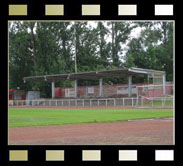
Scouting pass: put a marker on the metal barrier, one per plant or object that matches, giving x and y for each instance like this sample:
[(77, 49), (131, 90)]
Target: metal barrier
[(75, 102)]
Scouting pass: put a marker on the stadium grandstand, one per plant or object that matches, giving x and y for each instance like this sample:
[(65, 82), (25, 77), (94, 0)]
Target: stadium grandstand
[(107, 95)]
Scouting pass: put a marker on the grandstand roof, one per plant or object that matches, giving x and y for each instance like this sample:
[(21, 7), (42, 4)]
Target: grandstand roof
[(123, 72)]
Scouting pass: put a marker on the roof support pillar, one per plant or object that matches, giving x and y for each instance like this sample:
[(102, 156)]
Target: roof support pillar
[(164, 84), (130, 86), (53, 90), (100, 87), (75, 88)]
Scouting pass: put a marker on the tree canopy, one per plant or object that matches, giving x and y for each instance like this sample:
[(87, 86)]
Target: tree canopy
[(39, 48)]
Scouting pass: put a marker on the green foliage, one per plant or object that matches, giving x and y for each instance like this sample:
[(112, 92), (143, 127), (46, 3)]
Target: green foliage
[(153, 49), (43, 48)]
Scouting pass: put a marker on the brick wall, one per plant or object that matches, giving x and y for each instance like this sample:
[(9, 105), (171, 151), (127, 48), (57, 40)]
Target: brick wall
[(108, 91)]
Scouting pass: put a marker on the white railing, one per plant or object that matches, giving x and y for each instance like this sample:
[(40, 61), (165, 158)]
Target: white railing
[(75, 102), (163, 102)]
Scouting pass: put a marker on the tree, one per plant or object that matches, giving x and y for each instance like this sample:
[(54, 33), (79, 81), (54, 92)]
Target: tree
[(153, 49), (21, 59), (120, 32), (43, 48)]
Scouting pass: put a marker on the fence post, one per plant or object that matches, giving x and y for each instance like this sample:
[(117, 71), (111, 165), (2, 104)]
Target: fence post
[(83, 103), (114, 102), (132, 102), (106, 102), (123, 101), (162, 101), (90, 102)]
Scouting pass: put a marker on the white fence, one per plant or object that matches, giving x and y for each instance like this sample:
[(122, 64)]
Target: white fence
[(75, 102), (143, 102)]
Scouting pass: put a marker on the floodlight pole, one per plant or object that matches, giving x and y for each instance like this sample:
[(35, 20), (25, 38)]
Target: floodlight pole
[(75, 81), (75, 49)]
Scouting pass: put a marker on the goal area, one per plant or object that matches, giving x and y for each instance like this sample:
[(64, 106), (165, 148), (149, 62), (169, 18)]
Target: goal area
[(155, 96)]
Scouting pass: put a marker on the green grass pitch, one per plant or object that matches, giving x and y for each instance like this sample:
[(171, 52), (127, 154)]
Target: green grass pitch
[(22, 117)]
